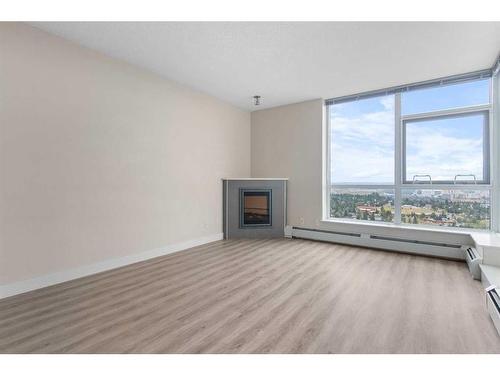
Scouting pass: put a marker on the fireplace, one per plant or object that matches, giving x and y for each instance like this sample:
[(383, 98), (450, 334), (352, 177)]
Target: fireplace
[(255, 207)]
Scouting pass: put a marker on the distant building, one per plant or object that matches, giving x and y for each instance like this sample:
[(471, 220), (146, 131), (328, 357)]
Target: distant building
[(367, 209)]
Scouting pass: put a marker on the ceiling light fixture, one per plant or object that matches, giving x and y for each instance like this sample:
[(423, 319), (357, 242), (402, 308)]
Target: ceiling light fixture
[(256, 100)]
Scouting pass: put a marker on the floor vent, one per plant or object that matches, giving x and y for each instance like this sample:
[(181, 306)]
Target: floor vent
[(473, 261), (493, 303), (471, 254), (495, 299)]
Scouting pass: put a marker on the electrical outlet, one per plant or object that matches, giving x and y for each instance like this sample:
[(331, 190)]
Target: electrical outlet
[(301, 220)]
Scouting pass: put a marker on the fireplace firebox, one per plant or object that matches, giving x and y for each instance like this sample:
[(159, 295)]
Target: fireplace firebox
[(255, 207)]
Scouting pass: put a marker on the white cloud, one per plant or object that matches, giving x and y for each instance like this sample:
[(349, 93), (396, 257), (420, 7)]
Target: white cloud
[(363, 148), (443, 155)]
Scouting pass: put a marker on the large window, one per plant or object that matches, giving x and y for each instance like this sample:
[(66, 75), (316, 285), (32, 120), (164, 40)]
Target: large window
[(416, 156)]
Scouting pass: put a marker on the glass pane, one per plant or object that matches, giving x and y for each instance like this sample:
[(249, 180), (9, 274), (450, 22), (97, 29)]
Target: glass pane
[(362, 204), (449, 208), (256, 208), (446, 97), (362, 141), (445, 148)]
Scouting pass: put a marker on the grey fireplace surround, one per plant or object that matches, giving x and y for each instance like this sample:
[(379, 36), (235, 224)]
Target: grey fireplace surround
[(254, 207)]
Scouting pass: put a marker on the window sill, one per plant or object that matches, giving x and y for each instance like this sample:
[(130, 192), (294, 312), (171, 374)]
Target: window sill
[(464, 231)]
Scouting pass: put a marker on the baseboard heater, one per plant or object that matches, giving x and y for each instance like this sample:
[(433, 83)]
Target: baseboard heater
[(473, 260), (326, 231), (438, 249), (415, 241), (493, 305)]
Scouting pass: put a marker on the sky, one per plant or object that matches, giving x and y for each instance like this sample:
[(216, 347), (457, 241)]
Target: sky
[(445, 148), (362, 140)]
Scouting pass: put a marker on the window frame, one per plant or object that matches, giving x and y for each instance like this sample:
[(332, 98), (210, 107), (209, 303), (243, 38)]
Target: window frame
[(482, 110), (489, 162)]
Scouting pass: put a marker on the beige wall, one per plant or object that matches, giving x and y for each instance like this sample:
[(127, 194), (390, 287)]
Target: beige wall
[(99, 159), (287, 141)]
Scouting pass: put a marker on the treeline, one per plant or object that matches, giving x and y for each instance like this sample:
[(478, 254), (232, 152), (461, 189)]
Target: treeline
[(344, 206), (446, 211)]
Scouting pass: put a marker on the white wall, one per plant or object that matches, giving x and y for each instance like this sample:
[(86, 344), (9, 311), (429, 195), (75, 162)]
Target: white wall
[(287, 141), (100, 159)]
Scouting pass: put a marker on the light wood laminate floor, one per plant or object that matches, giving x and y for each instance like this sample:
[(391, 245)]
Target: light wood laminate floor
[(258, 296)]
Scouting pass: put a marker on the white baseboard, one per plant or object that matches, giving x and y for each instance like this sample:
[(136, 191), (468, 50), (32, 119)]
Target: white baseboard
[(8, 290)]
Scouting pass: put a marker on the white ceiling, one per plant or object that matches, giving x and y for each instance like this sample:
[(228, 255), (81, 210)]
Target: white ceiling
[(288, 62)]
